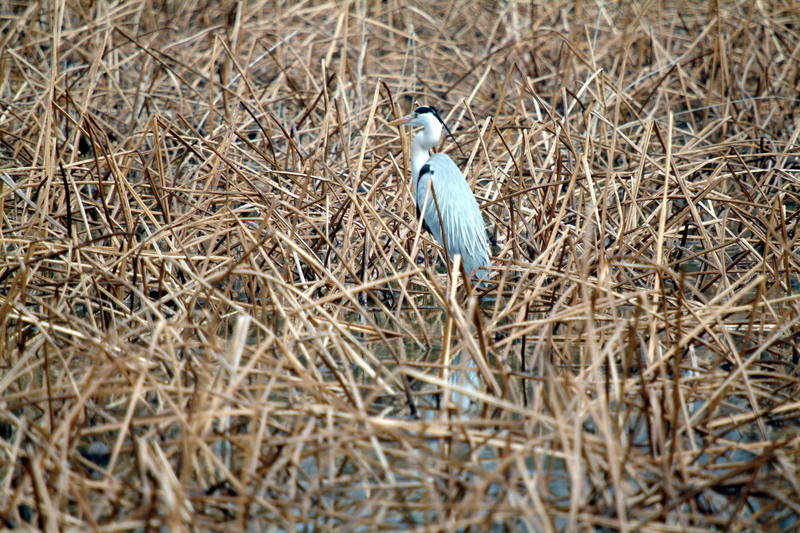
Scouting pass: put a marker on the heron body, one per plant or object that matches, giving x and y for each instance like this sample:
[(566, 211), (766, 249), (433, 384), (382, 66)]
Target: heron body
[(457, 225)]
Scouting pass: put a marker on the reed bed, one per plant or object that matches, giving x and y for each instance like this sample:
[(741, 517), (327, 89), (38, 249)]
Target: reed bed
[(218, 310)]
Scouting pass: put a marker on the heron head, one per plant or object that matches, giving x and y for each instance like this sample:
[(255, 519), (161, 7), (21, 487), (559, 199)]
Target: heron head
[(429, 118), (421, 116)]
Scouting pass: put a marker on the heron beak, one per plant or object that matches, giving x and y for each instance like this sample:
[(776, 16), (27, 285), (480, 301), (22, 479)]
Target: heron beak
[(400, 121)]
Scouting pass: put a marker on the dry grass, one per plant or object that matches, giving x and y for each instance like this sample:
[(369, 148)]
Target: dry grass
[(214, 307)]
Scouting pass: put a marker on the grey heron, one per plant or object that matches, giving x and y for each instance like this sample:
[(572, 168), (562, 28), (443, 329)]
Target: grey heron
[(464, 230)]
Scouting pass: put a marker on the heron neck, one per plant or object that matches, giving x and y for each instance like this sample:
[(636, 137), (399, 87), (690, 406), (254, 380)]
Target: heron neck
[(420, 153)]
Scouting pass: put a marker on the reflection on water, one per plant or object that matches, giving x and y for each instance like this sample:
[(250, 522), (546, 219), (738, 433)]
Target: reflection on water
[(545, 443)]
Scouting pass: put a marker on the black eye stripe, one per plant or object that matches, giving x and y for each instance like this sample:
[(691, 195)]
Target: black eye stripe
[(426, 109)]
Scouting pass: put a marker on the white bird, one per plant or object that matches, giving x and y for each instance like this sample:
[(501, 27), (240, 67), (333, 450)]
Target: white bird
[(464, 229)]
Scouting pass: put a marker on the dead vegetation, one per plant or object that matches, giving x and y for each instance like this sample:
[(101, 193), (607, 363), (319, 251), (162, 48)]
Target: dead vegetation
[(216, 314)]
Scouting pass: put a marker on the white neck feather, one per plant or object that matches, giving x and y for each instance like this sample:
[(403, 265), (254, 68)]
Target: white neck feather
[(420, 154), (424, 141)]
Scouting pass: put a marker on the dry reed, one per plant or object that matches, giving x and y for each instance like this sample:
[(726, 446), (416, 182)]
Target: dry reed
[(217, 310)]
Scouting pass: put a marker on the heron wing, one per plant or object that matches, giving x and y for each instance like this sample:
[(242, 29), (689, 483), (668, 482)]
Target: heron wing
[(464, 228)]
